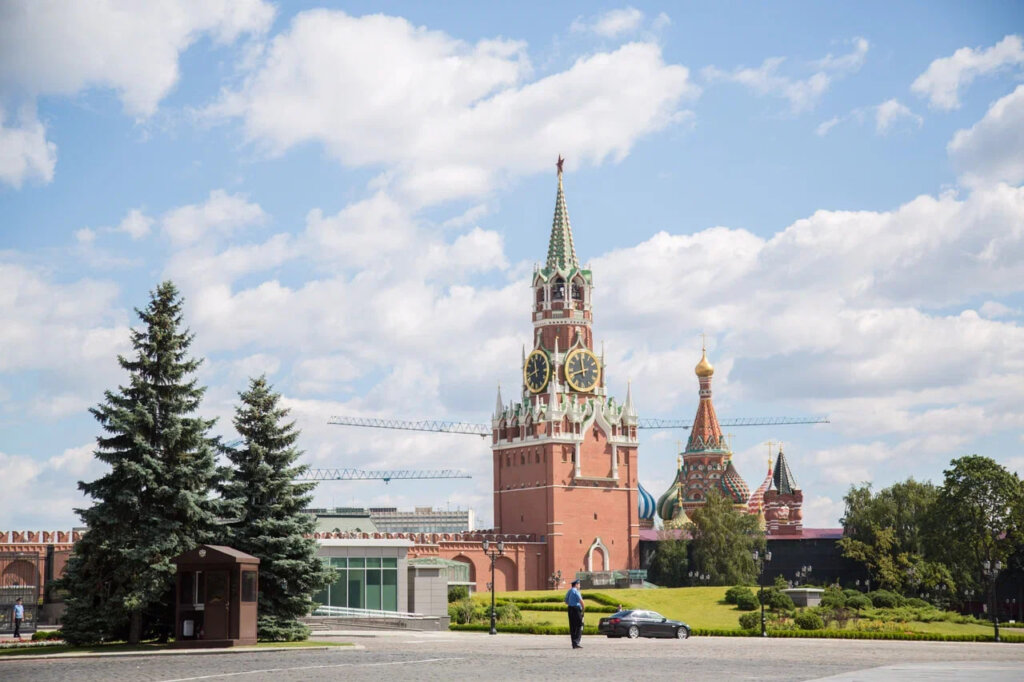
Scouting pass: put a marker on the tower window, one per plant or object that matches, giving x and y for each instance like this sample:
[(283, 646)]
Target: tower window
[(577, 292), (595, 516), (522, 459), (540, 295), (558, 290)]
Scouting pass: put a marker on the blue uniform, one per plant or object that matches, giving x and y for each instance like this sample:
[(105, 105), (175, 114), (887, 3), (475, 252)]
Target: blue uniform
[(574, 602)]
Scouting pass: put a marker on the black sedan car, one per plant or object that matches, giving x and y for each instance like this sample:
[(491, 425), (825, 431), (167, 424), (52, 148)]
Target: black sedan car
[(635, 623)]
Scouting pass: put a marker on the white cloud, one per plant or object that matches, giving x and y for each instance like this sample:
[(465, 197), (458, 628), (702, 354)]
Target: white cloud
[(765, 80), (942, 81), (25, 153), (825, 127), (992, 150), (220, 215), (890, 112), (611, 24), (130, 48), (136, 224), (58, 475), (993, 310), (851, 61), (802, 93), (449, 119), (822, 512)]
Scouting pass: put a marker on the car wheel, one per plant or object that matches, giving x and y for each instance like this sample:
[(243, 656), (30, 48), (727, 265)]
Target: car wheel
[(634, 632), (682, 633)]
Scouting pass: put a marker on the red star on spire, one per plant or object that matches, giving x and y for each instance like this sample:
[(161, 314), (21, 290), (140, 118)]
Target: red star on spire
[(559, 163)]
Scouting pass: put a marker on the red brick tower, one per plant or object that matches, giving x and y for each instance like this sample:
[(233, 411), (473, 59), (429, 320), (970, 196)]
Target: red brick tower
[(565, 457), (707, 460), (783, 501)]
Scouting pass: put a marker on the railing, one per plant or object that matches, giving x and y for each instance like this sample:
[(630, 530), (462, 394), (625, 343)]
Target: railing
[(345, 612)]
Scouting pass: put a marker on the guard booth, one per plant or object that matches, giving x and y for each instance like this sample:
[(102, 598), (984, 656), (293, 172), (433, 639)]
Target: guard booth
[(217, 590)]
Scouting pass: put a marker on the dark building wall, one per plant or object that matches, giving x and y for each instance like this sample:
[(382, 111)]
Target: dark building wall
[(788, 556)]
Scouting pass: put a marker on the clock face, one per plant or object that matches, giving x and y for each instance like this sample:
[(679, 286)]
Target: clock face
[(537, 371), (582, 370)]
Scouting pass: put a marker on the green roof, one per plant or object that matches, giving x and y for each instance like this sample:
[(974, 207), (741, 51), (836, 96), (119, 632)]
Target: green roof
[(561, 252)]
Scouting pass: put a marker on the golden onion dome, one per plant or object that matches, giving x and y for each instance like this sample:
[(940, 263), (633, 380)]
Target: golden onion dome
[(704, 368)]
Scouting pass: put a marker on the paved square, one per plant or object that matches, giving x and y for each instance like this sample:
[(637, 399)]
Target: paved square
[(454, 656)]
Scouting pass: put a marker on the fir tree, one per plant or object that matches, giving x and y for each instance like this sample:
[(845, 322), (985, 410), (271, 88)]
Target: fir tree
[(154, 502), (262, 493)]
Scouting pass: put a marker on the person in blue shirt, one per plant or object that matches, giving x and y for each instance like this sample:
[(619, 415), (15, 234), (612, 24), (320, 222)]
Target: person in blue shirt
[(19, 615), (574, 603)]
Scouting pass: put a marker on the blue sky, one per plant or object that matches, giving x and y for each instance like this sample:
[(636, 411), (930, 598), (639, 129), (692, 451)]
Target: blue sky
[(352, 197)]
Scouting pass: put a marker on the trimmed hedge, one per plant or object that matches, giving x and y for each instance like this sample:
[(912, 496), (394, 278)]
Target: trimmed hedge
[(852, 634), (524, 628), (540, 629), (543, 606)]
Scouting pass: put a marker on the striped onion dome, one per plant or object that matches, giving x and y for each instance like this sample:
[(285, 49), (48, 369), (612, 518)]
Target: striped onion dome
[(646, 503), (756, 500), (669, 502), (734, 487)]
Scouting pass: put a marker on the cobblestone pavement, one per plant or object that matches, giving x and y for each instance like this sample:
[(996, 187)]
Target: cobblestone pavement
[(452, 656)]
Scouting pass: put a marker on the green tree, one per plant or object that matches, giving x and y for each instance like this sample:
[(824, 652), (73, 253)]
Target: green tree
[(154, 502), (261, 491), (668, 566), (978, 517), (888, 533), (723, 541)]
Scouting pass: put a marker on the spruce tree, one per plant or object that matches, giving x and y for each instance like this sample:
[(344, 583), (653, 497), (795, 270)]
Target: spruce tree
[(154, 503), (262, 493)]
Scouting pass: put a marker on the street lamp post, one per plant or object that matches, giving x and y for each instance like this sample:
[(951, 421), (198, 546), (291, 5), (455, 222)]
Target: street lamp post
[(761, 561), (802, 574), (494, 553), (991, 571)]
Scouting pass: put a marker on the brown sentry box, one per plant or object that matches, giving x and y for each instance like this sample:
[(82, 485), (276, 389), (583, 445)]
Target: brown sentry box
[(216, 597)]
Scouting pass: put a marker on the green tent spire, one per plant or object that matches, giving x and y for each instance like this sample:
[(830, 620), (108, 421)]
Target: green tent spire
[(561, 253)]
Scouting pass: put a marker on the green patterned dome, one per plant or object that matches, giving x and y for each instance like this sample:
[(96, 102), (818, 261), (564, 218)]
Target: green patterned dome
[(733, 485)]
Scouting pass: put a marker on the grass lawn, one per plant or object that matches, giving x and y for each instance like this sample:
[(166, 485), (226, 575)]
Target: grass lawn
[(112, 648), (700, 607)]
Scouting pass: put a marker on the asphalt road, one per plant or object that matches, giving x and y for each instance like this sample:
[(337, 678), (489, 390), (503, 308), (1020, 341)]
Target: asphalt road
[(454, 656)]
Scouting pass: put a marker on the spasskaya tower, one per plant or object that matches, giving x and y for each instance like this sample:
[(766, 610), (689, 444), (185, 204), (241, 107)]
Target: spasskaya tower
[(565, 454)]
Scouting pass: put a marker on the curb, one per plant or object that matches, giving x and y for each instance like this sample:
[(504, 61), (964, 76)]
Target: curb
[(177, 652)]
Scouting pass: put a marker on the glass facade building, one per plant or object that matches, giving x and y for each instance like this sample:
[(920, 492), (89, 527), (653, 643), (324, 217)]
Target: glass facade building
[(362, 583)]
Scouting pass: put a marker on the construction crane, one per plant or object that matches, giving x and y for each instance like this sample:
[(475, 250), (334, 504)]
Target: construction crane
[(386, 476), (484, 431), (365, 475)]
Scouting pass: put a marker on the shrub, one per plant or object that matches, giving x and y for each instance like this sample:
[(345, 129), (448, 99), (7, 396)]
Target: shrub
[(884, 599), (918, 603), (463, 611), (39, 636), (833, 598), (733, 594), (808, 620), (746, 601), (848, 592), (777, 600), (858, 601), (750, 621), (457, 593), (508, 612)]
